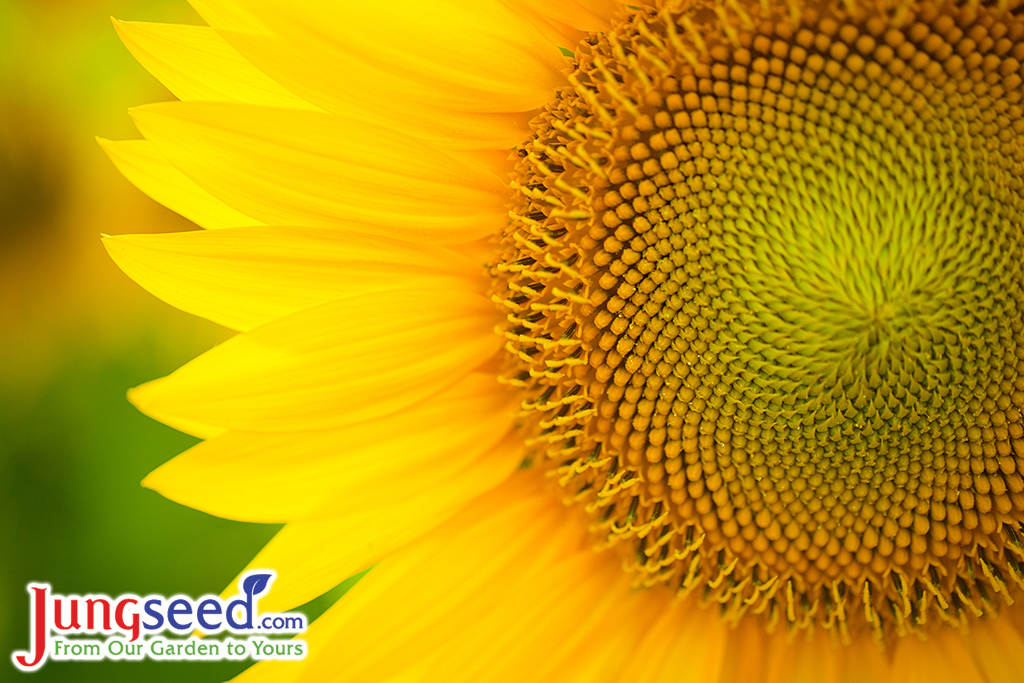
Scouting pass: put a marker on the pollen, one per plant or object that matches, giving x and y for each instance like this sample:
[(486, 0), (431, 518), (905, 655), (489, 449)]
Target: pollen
[(763, 283)]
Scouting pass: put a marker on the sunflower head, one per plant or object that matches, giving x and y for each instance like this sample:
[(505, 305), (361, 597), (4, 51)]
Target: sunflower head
[(763, 288), (756, 272)]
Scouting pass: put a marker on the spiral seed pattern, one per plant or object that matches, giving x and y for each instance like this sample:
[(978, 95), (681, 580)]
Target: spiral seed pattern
[(763, 284)]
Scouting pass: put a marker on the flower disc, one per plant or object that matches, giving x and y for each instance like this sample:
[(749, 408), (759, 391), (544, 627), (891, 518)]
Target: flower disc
[(764, 280)]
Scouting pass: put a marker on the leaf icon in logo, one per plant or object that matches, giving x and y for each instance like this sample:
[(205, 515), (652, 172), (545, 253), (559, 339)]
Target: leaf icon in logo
[(255, 584)]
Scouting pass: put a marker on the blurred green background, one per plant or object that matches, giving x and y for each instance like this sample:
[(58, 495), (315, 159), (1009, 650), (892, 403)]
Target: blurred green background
[(75, 334)]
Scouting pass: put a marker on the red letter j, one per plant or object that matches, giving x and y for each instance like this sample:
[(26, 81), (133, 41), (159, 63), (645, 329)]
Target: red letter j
[(38, 630)]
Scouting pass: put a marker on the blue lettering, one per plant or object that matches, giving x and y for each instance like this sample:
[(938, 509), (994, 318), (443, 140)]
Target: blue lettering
[(180, 607), (209, 607), (156, 626), (247, 608)]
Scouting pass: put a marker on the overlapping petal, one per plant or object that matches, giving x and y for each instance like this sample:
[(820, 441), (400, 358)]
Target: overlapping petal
[(147, 169), (195, 63), (335, 364), (478, 598), (998, 648), (363, 490), (284, 477), (367, 534), (579, 15), (244, 277), (459, 55), (293, 167)]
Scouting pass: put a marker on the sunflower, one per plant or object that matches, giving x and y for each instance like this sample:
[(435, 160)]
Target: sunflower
[(659, 342)]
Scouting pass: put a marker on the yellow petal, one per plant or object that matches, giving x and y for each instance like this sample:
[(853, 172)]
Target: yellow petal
[(224, 14), (364, 91), (507, 590), (369, 93), (194, 427), (686, 645), (363, 536), (943, 658), (507, 571), (601, 10), (588, 632), (998, 648), (273, 671), (293, 167), (467, 55), (244, 277), (809, 657), (536, 627), (332, 365), (260, 477), (1015, 615), (582, 15), (147, 169), (197, 64)]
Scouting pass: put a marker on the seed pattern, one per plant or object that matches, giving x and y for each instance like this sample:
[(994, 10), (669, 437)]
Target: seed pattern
[(763, 284)]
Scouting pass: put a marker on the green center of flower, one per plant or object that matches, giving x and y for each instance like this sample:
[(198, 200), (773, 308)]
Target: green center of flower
[(764, 291)]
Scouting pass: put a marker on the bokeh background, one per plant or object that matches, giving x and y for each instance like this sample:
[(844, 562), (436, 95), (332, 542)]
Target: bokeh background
[(75, 334)]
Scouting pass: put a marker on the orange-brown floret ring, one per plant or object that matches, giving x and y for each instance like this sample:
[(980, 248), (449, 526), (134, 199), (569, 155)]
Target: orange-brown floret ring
[(764, 290)]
